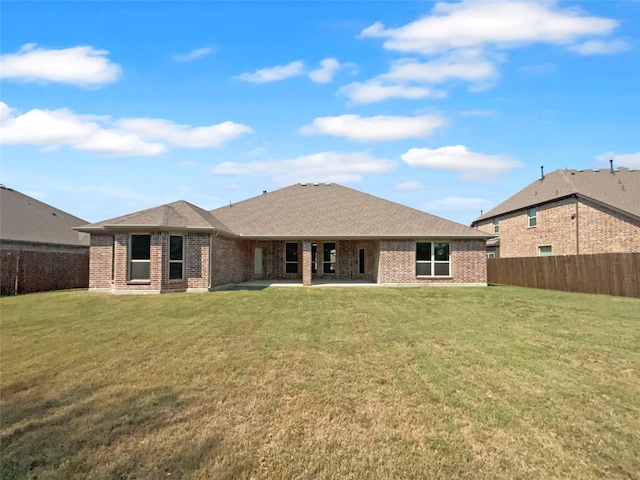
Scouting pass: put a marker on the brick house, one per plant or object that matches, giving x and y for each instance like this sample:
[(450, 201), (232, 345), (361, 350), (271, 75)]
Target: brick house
[(568, 212), (39, 250), (304, 232)]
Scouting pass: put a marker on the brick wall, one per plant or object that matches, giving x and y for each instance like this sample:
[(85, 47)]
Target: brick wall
[(197, 260), (593, 229), (230, 261), (101, 261), (397, 263)]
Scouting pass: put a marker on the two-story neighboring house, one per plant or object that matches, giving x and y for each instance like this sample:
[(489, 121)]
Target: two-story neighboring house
[(568, 212)]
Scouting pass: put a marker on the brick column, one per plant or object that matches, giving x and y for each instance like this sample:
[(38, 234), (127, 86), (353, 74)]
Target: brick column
[(306, 263)]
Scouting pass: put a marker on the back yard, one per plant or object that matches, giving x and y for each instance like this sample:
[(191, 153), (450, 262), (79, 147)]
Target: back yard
[(347, 383)]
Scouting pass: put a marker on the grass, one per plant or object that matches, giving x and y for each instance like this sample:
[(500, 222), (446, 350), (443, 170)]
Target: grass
[(434, 383)]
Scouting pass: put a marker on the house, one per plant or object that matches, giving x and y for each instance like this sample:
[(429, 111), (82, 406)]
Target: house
[(39, 249), (568, 212), (304, 232)]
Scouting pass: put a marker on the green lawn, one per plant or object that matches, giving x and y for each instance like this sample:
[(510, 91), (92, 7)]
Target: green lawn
[(335, 383)]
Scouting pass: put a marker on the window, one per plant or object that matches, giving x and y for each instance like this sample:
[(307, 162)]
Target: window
[(314, 258), (140, 257), (291, 258), (496, 225), (491, 254), (544, 251), (176, 257), (329, 258), (432, 259), (531, 213)]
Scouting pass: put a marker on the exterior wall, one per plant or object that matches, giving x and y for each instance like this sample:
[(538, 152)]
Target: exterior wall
[(230, 261), (101, 261), (397, 263), (28, 267), (121, 264), (593, 229), (198, 260)]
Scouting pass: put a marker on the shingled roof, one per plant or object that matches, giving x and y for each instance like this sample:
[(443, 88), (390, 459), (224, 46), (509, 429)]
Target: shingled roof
[(178, 215), (333, 211), (25, 219), (619, 190), (299, 211)]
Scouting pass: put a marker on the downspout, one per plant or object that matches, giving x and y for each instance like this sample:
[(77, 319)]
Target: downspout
[(577, 226)]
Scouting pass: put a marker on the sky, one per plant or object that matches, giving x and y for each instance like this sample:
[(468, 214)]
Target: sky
[(447, 107)]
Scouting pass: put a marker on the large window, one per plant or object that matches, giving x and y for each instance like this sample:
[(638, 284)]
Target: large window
[(140, 257), (176, 257), (433, 259), (496, 226), (329, 258), (533, 220), (291, 258)]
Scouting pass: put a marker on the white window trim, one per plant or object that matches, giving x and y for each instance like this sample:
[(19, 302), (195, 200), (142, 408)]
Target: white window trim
[(543, 246), (491, 254), (433, 260), (184, 241), (130, 260), (496, 225), (292, 262)]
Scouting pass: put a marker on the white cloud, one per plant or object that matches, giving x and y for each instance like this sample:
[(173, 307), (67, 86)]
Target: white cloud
[(274, 74), (183, 135), (319, 167), (324, 74), (457, 204), (601, 47), (82, 65), (374, 129), (194, 54), (5, 111), (410, 185), (127, 137), (469, 65), (376, 91), (629, 160), (474, 23), (471, 165)]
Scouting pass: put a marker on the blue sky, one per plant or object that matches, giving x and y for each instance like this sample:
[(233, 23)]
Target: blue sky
[(449, 107)]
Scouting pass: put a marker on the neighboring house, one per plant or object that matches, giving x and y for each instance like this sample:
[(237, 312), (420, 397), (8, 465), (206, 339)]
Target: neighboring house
[(38, 247), (568, 212), (302, 232)]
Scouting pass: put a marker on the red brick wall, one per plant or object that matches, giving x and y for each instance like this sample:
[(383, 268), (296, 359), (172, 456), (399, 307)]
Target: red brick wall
[(597, 229), (397, 263), (197, 260), (230, 261), (101, 261)]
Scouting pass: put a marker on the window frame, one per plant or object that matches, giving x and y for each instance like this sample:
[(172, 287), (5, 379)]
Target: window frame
[(131, 260), (550, 252), (328, 261), (171, 261), (491, 255), (432, 262), (288, 262), (496, 225), (532, 217)]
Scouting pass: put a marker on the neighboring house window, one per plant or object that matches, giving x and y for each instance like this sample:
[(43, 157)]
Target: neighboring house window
[(496, 225), (176, 257), (140, 257), (531, 213), (491, 254), (329, 258), (544, 251), (291, 258), (432, 259)]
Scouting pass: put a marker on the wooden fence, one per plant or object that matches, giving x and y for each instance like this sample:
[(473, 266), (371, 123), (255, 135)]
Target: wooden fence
[(40, 271), (604, 273)]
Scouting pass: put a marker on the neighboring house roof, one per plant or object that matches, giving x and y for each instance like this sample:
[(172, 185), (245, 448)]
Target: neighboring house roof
[(178, 215), (333, 211), (619, 190), (299, 211), (26, 219)]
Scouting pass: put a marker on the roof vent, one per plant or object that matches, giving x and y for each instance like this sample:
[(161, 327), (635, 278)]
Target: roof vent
[(303, 184), (611, 164), (328, 184), (316, 184), (581, 170), (596, 170), (264, 191)]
